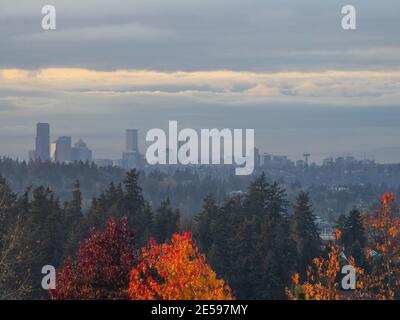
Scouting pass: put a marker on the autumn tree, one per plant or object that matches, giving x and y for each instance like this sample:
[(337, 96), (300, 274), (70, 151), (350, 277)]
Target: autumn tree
[(175, 271), (383, 282), (322, 281), (101, 267)]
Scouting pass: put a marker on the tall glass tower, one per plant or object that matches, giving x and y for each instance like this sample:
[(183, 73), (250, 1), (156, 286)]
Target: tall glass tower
[(132, 140), (42, 150)]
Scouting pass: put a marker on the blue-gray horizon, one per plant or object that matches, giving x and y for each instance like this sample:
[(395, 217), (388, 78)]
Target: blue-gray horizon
[(286, 69)]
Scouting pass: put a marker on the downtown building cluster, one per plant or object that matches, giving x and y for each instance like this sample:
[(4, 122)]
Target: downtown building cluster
[(62, 151)]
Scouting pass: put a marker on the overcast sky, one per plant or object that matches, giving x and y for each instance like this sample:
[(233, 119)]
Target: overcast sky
[(285, 68)]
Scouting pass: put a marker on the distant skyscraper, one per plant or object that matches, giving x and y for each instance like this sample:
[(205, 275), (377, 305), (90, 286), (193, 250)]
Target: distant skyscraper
[(42, 150), (267, 159), (80, 152), (132, 140), (63, 149), (130, 158), (257, 157), (32, 155)]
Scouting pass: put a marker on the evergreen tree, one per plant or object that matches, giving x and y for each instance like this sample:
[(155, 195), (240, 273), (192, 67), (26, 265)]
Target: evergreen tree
[(254, 202), (354, 239), (45, 236), (13, 254), (96, 215), (133, 198), (223, 229), (123, 201), (74, 222), (354, 229), (166, 222), (245, 259), (341, 224), (134, 206), (276, 268), (251, 245), (114, 202), (305, 233), (204, 223), (142, 224), (7, 205)]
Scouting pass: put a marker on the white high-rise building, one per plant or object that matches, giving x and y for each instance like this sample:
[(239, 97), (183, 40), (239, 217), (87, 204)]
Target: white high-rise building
[(80, 152), (63, 149)]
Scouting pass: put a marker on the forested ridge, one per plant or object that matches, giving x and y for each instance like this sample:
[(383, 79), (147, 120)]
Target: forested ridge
[(186, 188), (250, 240)]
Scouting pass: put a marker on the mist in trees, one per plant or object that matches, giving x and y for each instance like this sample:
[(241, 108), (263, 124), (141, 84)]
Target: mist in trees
[(254, 241)]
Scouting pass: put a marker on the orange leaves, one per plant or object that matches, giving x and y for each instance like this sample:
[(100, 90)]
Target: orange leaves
[(338, 234), (296, 279), (387, 199), (382, 282), (175, 271), (322, 279), (107, 267)]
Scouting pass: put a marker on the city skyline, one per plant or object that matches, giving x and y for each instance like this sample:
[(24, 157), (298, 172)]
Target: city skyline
[(61, 150), (260, 64), (221, 150)]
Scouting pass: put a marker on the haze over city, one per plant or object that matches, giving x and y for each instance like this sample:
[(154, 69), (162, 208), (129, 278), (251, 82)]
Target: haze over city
[(215, 152), (255, 64)]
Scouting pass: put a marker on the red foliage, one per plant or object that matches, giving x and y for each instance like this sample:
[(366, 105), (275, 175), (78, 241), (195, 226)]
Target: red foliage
[(101, 269)]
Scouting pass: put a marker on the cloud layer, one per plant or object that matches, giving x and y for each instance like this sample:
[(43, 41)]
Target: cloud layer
[(283, 67), (329, 87), (251, 35)]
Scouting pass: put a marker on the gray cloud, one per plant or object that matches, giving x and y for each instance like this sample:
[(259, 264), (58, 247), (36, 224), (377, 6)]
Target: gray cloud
[(322, 114), (257, 35)]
